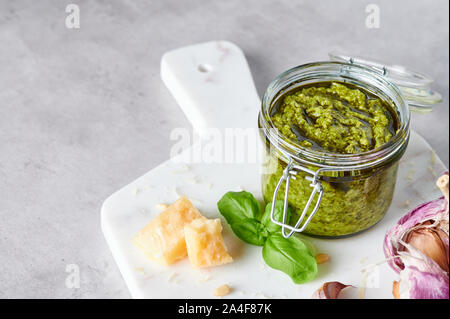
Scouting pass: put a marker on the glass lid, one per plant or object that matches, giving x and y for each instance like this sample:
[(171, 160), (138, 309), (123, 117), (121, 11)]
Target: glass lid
[(415, 86)]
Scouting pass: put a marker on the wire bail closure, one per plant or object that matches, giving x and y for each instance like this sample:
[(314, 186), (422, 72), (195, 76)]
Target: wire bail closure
[(289, 172)]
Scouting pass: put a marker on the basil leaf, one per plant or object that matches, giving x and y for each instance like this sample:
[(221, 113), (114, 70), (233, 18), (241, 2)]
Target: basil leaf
[(241, 211), (278, 215), (311, 248), (291, 256), (236, 206), (251, 231)]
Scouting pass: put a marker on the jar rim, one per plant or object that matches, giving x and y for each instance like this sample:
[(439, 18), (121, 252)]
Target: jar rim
[(347, 73)]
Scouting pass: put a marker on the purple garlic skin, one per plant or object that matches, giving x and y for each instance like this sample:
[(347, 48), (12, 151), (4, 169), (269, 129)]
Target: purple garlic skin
[(418, 249), (431, 211), (416, 284)]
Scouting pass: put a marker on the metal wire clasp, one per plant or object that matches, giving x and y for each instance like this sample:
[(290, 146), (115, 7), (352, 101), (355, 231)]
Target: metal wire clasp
[(289, 172)]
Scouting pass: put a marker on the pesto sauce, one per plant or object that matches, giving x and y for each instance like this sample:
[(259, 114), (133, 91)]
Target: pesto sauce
[(335, 117), (347, 206)]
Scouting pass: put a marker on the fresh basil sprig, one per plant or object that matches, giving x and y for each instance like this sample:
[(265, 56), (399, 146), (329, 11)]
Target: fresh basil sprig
[(293, 256), (278, 215), (242, 211)]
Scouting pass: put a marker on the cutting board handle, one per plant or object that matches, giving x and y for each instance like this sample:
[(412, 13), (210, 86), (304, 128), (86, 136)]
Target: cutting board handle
[(212, 84)]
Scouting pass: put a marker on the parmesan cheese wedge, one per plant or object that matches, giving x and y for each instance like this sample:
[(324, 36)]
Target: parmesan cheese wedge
[(205, 245), (163, 238)]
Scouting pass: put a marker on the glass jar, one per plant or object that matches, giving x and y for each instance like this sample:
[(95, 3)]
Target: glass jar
[(331, 194)]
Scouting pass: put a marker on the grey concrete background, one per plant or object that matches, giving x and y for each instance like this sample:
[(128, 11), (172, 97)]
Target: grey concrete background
[(83, 112)]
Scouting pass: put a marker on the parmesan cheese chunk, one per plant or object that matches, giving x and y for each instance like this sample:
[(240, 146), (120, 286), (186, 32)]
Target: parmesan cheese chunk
[(163, 238), (205, 244)]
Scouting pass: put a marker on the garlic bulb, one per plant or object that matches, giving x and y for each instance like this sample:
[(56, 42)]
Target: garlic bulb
[(418, 249)]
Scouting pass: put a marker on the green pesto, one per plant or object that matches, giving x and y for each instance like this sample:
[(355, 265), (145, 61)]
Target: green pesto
[(347, 206), (336, 118)]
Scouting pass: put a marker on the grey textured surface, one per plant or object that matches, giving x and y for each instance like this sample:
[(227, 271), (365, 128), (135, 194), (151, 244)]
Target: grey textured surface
[(83, 111)]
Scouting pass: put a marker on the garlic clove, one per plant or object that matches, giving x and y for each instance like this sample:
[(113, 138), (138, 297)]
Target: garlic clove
[(418, 249), (418, 216), (332, 289), (350, 292), (424, 229), (429, 241), (335, 290)]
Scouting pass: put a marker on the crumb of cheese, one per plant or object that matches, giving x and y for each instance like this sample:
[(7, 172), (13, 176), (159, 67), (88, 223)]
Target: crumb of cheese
[(432, 171), (140, 270), (433, 157), (407, 203), (262, 295), (161, 206), (410, 176), (183, 168), (177, 192), (172, 276), (206, 278), (192, 180)]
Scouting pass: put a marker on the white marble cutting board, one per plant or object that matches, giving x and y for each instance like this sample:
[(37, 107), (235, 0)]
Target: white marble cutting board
[(213, 85)]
